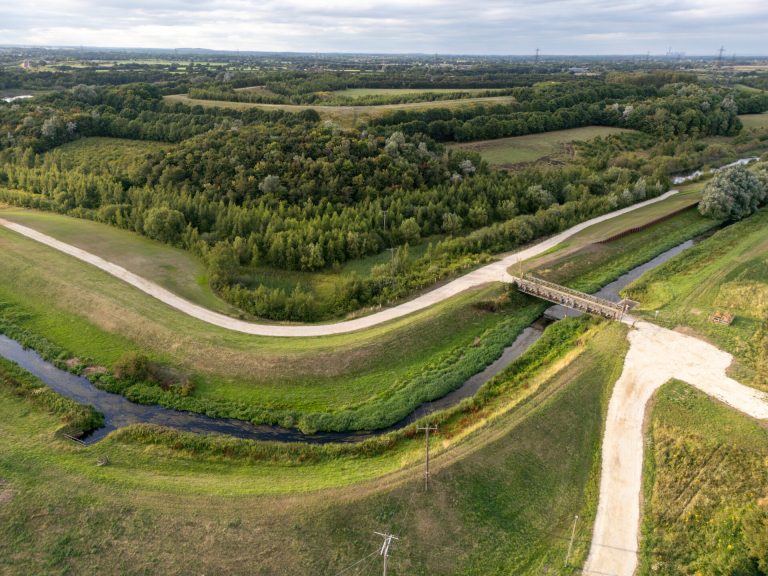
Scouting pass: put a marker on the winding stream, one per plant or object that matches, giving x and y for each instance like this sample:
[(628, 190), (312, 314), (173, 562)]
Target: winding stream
[(119, 411)]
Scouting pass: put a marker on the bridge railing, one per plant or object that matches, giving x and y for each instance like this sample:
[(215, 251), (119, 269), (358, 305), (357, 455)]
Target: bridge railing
[(569, 297)]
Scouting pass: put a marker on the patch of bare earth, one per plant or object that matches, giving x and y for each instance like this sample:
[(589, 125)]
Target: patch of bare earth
[(6, 493)]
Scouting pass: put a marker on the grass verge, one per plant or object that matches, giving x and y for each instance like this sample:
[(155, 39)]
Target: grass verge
[(706, 509)]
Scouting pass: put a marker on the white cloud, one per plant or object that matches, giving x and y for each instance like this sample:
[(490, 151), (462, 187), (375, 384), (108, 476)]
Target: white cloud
[(480, 26)]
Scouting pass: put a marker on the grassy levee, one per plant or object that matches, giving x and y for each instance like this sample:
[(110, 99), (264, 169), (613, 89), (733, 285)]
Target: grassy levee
[(508, 152), (93, 316), (182, 272), (727, 272), (586, 263), (506, 484), (172, 268), (706, 502), (345, 116)]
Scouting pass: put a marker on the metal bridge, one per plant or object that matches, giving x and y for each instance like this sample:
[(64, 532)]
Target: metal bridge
[(571, 298)]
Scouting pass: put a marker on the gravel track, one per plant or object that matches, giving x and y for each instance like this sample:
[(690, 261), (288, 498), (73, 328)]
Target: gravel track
[(656, 355)]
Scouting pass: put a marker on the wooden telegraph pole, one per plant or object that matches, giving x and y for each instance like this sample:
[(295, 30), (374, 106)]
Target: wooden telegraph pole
[(427, 429)]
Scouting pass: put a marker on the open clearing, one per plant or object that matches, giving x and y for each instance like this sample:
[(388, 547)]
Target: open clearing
[(508, 152), (344, 115), (755, 120), (116, 156), (360, 92)]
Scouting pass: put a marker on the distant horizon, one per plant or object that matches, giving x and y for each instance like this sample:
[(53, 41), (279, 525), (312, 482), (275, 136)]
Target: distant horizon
[(541, 55), (481, 28)]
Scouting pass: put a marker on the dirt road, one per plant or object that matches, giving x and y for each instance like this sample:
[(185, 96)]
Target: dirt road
[(656, 355), (495, 272)]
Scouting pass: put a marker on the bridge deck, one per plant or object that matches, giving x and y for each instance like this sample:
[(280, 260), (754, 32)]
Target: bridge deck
[(570, 298)]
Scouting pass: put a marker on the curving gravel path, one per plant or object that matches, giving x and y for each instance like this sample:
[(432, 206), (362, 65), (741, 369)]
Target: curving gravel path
[(496, 271), (656, 355)]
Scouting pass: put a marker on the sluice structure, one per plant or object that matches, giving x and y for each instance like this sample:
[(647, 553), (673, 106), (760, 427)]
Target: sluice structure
[(571, 298)]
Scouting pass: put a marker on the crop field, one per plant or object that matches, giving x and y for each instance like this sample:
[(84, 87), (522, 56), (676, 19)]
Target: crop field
[(507, 152), (507, 494), (344, 115), (725, 273), (754, 120), (705, 488)]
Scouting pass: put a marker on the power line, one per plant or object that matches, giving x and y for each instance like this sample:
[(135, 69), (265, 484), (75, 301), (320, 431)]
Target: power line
[(348, 568)]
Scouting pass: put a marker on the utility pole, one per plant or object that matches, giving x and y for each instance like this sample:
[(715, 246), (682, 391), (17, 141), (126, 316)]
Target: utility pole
[(427, 429), (570, 544), (384, 552)]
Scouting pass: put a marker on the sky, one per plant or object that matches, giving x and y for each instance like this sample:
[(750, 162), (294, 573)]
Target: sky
[(510, 27)]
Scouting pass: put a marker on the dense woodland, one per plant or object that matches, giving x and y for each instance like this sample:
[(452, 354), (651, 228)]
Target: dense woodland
[(248, 188)]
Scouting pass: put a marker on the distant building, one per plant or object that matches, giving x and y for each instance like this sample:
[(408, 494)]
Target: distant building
[(577, 70)]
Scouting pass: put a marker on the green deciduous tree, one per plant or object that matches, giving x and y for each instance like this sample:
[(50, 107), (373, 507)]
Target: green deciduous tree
[(164, 224), (733, 194)]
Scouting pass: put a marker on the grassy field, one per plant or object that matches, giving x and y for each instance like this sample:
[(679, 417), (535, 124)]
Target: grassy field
[(755, 120), (501, 499), (706, 504), (594, 265), (173, 268), (508, 152), (727, 272), (361, 92), (577, 259), (344, 115), (116, 156)]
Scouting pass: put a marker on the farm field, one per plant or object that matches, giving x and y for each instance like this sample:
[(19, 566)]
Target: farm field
[(507, 493), (728, 272), (508, 152), (346, 116), (704, 487)]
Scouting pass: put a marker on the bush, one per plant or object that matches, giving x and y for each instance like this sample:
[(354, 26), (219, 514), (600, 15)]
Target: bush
[(135, 367), (733, 194)]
